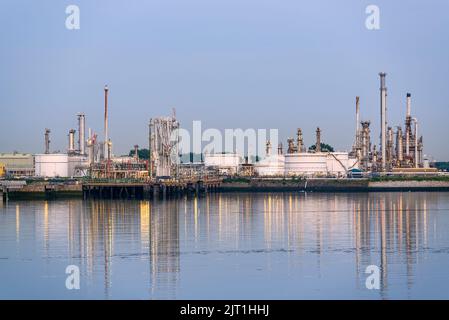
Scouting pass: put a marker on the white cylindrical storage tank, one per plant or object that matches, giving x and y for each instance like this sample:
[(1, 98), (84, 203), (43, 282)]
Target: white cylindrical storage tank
[(300, 164), (51, 165), (273, 165), (338, 163)]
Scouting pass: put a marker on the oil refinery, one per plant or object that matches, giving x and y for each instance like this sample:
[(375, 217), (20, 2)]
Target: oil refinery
[(400, 151)]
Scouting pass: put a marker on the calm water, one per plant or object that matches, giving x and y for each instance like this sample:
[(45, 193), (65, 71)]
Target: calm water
[(249, 246)]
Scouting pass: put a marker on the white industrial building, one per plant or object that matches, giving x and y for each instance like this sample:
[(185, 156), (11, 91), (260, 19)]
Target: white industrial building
[(225, 163), (60, 165)]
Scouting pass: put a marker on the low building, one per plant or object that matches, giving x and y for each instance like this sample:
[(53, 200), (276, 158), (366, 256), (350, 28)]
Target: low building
[(225, 163), (17, 164)]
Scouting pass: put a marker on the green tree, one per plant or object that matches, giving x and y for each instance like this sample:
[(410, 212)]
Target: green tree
[(143, 153), (324, 147)]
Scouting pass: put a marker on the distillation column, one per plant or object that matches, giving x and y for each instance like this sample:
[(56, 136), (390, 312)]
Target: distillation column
[(399, 146), (416, 143), (47, 141), (300, 141), (408, 124), (383, 119), (318, 140), (366, 144)]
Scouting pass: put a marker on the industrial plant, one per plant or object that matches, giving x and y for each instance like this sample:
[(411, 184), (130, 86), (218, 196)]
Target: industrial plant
[(400, 151)]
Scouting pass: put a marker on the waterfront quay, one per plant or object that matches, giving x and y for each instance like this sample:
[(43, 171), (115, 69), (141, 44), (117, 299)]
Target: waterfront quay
[(105, 189), (165, 189), (146, 190)]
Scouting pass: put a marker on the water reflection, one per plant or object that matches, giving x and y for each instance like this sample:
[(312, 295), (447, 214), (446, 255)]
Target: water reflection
[(387, 229)]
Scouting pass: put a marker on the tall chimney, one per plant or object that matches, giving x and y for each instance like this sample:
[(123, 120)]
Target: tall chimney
[(408, 125), (47, 141), (106, 138), (81, 133), (383, 119), (318, 140), (71, 148), (357, 118), (409, 108)]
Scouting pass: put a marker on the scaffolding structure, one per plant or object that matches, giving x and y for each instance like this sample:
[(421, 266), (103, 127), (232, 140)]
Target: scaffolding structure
[(164, 149)]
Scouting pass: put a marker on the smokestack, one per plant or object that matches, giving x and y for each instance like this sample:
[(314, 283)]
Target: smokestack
[(416, 143), (357, 117), (71, 141), (136, 152), (47, 141), (318, 140), (106, 138), (383, 119), (81, 133), (409, 108)]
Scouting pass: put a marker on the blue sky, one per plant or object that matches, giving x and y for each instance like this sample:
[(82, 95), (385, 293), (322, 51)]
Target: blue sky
[(230, 63)]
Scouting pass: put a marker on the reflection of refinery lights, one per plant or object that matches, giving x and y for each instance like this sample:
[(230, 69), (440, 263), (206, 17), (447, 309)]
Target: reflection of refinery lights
[(17, 222), (145, 223), (195, 215), (46, 233)]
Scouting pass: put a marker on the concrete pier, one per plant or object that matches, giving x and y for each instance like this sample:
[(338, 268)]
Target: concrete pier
[(143, 190)]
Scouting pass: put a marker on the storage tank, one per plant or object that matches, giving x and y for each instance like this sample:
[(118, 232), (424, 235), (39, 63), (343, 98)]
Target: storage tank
[(338, 163), (52, 165), (273, 165), (305, 164)]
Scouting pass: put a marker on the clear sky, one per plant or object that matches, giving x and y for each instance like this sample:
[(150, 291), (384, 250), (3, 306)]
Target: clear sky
[(230, 63)]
